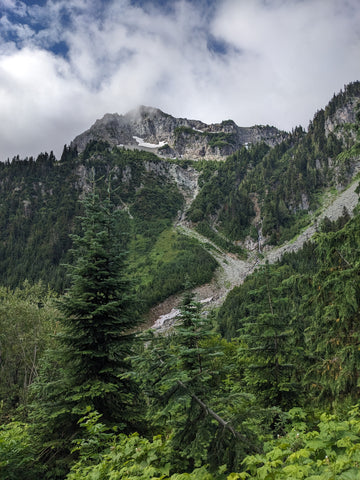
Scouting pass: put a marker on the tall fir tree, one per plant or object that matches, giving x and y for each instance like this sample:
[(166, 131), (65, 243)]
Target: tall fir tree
[(91, 367), (333, 337), (185, 375), (269, 351)]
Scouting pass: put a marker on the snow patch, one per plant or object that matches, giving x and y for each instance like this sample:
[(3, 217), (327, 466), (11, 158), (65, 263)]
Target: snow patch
[(160, 322), (142, 143), (206, 300)]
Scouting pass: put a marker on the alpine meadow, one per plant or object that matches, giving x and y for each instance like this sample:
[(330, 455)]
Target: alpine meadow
[(181, 300)]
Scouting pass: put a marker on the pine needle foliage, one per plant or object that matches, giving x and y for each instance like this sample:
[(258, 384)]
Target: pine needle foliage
[(185, 376), (96, 311), (90, 367)]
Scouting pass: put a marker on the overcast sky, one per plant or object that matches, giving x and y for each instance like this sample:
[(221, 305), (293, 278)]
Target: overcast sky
[(65, 63)]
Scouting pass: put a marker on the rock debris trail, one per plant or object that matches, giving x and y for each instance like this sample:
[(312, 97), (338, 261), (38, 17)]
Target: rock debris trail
[(232, 271), (333, 210)]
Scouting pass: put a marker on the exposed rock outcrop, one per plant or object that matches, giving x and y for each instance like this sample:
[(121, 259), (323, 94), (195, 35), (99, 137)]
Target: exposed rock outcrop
[(344, 114), (148, 128), (185, 178)]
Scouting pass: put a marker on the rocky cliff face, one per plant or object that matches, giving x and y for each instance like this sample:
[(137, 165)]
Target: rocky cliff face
[(342, 115), (151, 129)]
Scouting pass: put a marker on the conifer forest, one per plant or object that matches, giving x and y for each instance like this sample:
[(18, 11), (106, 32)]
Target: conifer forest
[(259, 381)]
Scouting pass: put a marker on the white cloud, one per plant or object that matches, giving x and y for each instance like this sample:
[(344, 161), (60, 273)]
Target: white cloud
[(301, 51), (39, 101), (285, 59)]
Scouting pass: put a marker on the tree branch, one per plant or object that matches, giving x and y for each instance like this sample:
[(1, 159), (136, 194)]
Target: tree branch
[(343, 258), (215, 416)]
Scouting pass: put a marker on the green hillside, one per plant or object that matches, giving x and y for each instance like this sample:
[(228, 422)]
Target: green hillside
[(286, 182), (40, 207), (264, 385)]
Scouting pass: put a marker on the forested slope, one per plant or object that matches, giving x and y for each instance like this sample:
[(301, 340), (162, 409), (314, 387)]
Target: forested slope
[(264, 387), (266, 194), (259, 196), (40, 204)]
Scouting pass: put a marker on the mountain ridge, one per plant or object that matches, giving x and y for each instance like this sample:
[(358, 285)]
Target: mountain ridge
[(257, 198), (149, 128)]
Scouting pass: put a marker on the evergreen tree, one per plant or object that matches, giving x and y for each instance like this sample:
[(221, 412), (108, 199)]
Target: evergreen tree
[(333, 337), (91, 367), (99, 325), (270, 349), (186, 375)]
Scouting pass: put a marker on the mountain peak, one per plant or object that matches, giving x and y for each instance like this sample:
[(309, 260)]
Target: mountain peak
[(152, 129), (146, 111)]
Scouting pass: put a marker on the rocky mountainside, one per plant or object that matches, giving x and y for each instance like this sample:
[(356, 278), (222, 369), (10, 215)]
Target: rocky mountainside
[(257, 199), (148, 128)]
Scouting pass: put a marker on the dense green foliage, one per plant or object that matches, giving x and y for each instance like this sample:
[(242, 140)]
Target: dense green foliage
[(40, 204), (329, 451), (27, 319), (188, 378), (97, 320), (265, 387), (225, 193), (98, 316), (38, 207), (18, 453), (300, 318), (163, 265)]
